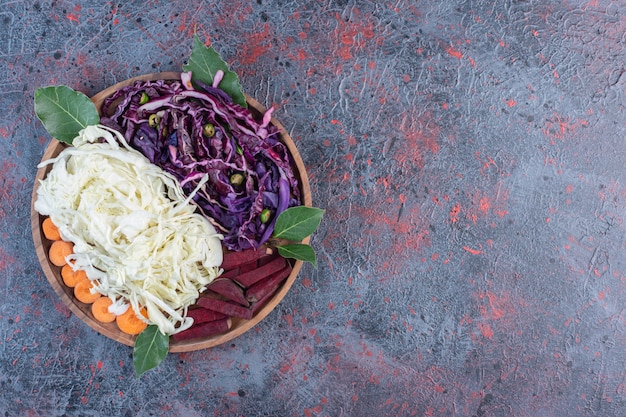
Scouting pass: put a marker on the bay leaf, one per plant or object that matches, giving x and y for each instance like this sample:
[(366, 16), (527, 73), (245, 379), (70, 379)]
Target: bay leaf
[(298, 222), (299, 251), (151, 347), (204, 62), (64, 111)]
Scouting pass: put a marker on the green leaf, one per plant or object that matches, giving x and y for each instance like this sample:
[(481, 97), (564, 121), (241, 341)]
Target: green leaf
[(151, 347), (298, 222), (204, 62), (64, 112), (298, 251)]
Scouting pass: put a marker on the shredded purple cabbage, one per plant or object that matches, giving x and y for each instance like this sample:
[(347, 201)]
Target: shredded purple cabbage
[(241, 148)]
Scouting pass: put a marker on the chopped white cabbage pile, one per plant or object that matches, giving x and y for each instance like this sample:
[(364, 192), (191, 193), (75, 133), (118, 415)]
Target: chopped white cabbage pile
[(134, 232)]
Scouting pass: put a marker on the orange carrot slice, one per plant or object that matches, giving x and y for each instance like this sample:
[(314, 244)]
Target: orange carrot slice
[(59, 250), (129, 323), (82, 291), (100, 310), (71, 277), (50, 231)]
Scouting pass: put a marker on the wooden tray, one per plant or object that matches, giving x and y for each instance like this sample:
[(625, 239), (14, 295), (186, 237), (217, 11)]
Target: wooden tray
[(83, 311)]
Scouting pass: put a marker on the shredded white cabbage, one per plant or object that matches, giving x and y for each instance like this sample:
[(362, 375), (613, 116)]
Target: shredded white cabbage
[(134, 232)]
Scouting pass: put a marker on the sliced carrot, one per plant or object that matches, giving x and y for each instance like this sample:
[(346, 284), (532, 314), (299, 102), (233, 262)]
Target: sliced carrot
[(100, 310), (129, 323), (50, 231), (59, 250), (71, 277), (82, 291)]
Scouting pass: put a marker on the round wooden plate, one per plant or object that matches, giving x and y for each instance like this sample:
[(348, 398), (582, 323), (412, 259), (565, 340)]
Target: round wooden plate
[(83, 311)]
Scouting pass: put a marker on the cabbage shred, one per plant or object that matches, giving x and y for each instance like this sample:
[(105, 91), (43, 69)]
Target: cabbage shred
[(135, 233), (169, 130)]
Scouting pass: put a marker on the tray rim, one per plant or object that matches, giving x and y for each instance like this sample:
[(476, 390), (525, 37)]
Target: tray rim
[(82, 311)]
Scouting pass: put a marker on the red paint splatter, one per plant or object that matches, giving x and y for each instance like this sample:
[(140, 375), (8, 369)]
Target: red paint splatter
[(510, 102), (498, 310), (256, 45), (81, 59), (302, 55), (485, 203), (454, 52), (560, 127), (497, 304), (486, 330), (419, 135), (6, 260), (7, 182), (72, 17), (472, 251), (409, 234), (498, 307), (353, 35), (454, 213), (62, 309)]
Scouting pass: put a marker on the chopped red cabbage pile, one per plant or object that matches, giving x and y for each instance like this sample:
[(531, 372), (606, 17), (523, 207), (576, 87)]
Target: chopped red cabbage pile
[(192, 132)]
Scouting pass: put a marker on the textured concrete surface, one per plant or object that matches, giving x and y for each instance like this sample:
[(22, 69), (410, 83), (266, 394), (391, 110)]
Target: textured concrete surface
[(470, 156)]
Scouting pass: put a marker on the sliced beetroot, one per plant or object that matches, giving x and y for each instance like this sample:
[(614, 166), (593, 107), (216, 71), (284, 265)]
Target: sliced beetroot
[(255, 307), (268, 285), (247, 279), (228, 308), (202, 315), (229, 289), (236, 259), (202, 330)]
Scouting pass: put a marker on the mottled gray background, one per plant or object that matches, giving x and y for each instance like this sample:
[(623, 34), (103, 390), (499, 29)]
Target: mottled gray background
[(470, 156)]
